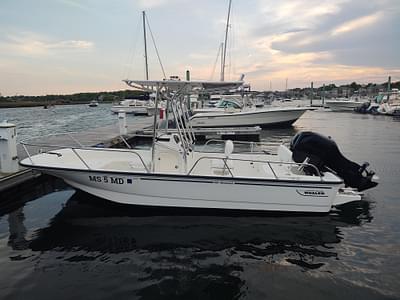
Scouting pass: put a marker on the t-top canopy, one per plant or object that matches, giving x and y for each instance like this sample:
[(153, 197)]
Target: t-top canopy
[(183, 84)]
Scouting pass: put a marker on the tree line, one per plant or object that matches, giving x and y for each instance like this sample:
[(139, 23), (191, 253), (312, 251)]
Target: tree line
[(78, 98)]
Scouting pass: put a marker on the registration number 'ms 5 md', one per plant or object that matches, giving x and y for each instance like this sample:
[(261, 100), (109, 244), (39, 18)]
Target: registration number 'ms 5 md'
[(107, 179)]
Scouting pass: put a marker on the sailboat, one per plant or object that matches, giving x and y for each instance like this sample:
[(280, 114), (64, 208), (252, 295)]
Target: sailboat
[(137, 106), (309, 176), (230, 113)]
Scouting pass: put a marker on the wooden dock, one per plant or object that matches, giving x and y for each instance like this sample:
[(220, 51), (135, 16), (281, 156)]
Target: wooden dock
[(237, 133)]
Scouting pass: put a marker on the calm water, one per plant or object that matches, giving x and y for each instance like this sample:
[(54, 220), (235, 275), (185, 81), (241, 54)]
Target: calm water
[(37, 121), (56, 242)]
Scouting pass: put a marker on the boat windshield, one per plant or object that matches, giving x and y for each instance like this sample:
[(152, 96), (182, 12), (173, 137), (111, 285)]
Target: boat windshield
[(228, 104)]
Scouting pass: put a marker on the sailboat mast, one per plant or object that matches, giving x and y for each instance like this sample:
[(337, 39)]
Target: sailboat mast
[(145, 45), (225, 43)]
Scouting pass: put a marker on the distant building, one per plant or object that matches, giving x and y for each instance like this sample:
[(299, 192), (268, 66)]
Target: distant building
[(346, 91), (334, 93)]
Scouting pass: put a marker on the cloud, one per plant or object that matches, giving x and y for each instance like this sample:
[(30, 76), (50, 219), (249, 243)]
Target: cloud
[(148, 4), (269, 40), (358, 23), (74, 4), (30, 44)]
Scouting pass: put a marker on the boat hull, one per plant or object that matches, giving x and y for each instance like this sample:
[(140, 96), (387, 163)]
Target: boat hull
[(263, 118), (130, 110), (202, 191), (343, 105)]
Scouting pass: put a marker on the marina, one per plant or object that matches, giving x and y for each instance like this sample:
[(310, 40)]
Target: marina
[(227, 150), (67, 237), (309, 176), (114, 152)]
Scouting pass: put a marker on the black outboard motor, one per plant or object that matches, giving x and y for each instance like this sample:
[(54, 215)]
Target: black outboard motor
[(325, 155)]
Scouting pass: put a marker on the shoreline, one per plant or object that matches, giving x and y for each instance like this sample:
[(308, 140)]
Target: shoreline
[(38, 104)]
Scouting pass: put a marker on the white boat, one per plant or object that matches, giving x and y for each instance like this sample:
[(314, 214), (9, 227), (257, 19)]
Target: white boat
[(345, 104), (174, 174), (93, 103), (134, 106), (389, 103), (231, 113), (231, 103)]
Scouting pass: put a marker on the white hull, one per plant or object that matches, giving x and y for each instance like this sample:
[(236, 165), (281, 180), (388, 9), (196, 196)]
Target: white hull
[(129, 110), (250, 184), (258, 117), (343, 105), (389, 109), (201, 192)]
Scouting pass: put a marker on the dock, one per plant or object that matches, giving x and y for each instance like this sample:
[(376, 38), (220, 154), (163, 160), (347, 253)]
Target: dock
[(238, 133)]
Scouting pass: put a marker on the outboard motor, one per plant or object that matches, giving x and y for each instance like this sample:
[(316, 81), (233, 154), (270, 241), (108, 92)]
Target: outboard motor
[(323, 153)]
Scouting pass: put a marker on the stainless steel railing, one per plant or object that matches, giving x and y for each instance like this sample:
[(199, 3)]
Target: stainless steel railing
[(269, 163), (75, 150), (252, 145)]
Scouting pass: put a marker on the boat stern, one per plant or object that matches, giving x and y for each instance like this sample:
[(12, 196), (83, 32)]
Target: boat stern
[(346, 195)]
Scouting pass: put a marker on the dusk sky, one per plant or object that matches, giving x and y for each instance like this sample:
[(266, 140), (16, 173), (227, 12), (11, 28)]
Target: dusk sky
[(70, 46)]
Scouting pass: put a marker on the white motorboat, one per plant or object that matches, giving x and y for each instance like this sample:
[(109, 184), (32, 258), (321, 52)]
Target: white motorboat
[(172, 173), (93, 103), (389, 103), (231, 103), (134, 106), (229, 112), (345, 104)]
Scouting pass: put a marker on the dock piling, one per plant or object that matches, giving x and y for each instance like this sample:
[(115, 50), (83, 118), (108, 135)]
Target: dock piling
[(123, 129), (8, 148)]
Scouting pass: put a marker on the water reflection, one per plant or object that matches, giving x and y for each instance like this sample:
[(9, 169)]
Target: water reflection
[(94, 224), (17, 240), (185, 253)]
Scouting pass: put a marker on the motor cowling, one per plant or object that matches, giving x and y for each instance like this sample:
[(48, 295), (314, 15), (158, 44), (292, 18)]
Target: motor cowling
[(324, 153)]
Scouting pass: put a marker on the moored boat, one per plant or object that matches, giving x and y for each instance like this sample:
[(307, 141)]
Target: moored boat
[(229, 112), (390, 103), (93, 103), (133, 106), (271, 116), (173, 173), (345, 104)]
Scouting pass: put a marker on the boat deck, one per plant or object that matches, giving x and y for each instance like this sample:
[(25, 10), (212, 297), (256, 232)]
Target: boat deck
[(105, 136), (108, 136), (261, 166)]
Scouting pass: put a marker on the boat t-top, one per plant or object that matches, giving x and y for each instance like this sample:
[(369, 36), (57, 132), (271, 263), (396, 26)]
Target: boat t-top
[(310, 175)]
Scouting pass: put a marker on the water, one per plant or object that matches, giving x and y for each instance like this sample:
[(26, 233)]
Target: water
[(37, 121), (56, 242)]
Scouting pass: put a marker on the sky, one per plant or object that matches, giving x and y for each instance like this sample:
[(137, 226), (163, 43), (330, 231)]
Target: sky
[(71, 46)]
